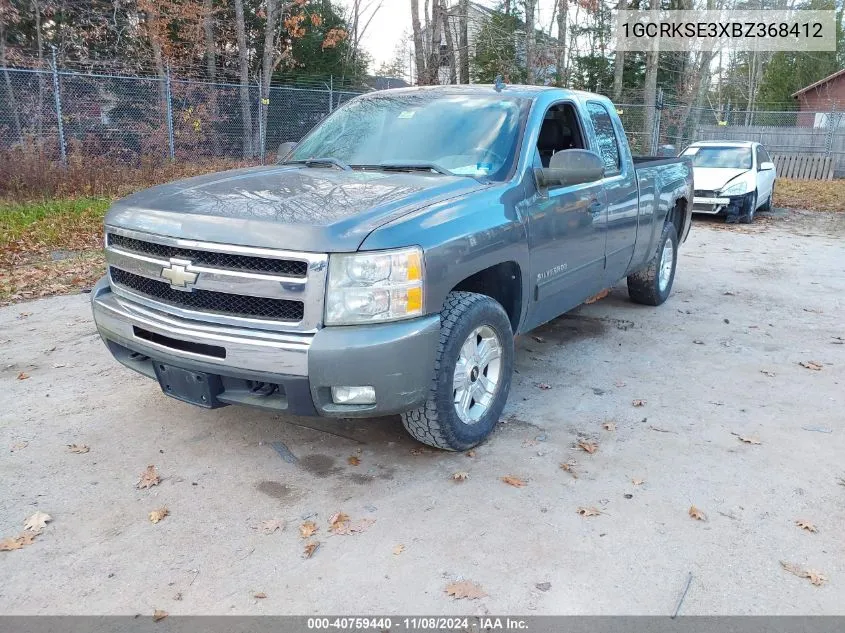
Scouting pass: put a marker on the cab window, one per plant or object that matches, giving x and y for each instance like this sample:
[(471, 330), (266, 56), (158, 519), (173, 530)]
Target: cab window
[(606, 137)]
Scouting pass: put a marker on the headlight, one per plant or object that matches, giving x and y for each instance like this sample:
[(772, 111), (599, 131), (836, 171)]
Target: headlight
[(374, 286), (736, 189)]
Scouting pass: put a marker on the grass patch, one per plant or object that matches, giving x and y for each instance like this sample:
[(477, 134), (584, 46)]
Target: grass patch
[(812, 195), (29, 231)]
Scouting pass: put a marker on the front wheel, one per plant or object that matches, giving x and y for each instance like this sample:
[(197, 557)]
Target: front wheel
[(653, 284), (472, 374), (748, 213)]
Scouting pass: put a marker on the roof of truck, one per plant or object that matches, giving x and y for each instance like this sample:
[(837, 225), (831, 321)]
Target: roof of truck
[(517, 90)]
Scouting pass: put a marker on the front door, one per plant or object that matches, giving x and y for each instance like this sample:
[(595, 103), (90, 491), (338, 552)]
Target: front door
[(566, 227)]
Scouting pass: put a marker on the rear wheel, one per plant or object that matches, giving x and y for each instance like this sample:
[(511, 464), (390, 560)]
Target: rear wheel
[(652, 285), (472, 374)]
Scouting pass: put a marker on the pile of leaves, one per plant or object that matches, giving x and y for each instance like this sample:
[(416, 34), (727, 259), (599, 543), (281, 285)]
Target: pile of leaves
[(812, 195)]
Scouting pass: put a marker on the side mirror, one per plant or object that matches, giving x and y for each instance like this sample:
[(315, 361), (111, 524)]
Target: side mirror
[(570, 167), (284, 151), (767, 166)]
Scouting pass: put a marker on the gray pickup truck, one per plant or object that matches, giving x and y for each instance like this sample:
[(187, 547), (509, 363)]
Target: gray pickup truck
[(385, 264)]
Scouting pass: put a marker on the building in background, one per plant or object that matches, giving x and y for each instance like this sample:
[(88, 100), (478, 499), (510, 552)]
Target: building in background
[(819, 100)]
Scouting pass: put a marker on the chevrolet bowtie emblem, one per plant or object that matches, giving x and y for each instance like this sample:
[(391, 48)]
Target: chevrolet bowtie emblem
[(177, 273)]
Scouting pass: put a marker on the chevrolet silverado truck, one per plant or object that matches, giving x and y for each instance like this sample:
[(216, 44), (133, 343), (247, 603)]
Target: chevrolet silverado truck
[(385, 263)]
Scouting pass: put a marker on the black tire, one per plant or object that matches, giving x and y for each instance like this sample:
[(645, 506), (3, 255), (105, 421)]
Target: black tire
[(644, 285), (437, 422), (747, 216)]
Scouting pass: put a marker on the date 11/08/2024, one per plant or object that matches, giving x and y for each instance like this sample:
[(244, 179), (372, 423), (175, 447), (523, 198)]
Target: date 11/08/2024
[(418, 623)]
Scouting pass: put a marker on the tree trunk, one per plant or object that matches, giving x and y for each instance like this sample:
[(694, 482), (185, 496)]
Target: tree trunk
[(267, 65), (419, 56), (651, 62), (562, 15), (463, 40), (434, 52), (618, 64), (450, 48), (13, 105), (211, 70), (529, 40), (243, 64)]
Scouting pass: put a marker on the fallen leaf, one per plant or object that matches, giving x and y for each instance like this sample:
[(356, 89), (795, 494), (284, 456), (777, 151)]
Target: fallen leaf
[(601, 295), (698, 341), (621, 383), (768, 373), (815, 577), (516, 482), (461, 475), (543, 586), (544, 386), (590, 447), (23, 315), (729, 294), (638, 482), (697, 514), (148, 478), (539, 339), (609, 426), (158, 515), (841, 481), (272, 525), (37, 522), (529, 443), (638, 403), (418, 451), (589, 512), (310, 548), (307, 529), (158, 615), (464, 589), (811, 364), (352, 527), (352, 460), (260, 595), (806, 525), (748, 439), (570, 468), (471, 453), (12, 543), (19, 446), (78, 448), (23, 375), (398, 550), (336, 520), (178, 595)]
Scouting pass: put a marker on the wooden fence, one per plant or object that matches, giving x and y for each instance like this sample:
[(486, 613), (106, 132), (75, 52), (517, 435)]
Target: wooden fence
[(804, 166)]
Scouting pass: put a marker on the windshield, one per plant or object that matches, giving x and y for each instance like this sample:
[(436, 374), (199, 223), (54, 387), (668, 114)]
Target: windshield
[(726, 157), (473, 135)]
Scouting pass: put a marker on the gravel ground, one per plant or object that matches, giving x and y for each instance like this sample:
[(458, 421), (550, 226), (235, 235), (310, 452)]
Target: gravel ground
[(747, 300)]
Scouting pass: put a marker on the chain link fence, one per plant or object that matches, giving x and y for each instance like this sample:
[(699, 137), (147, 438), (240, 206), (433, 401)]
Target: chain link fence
[(129, 118)]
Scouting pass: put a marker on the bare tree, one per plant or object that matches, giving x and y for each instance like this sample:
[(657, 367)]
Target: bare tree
[(450, 47), (243, 68), (529, 39), (562, 15), (210, 47), (434, 51), (419, 53), (463, 40), (618, 64), (39, 42), (8, 15)]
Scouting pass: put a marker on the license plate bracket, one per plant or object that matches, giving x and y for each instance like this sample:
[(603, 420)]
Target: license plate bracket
[(193, 387)]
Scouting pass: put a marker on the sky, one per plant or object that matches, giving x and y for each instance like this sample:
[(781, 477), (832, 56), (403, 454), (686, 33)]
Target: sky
[(394, 19)]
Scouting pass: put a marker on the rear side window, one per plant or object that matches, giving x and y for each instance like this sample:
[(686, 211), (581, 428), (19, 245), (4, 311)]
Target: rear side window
[(606, 137)]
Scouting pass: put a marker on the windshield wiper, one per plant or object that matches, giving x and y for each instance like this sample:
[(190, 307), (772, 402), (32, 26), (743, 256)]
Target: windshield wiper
[(321, 162), (415, 166)]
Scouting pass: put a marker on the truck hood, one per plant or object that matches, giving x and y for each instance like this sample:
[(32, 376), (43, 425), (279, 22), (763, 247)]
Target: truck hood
[(714, 178), (316, 209)]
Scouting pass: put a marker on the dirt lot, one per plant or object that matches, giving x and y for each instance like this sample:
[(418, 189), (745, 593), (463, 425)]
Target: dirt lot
[(720, 360)]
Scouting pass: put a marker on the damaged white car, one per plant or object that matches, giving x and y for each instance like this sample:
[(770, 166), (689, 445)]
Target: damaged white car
[(732, 178)]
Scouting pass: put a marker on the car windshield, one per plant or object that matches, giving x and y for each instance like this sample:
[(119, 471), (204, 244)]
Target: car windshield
[(472, 135), (726, 157)]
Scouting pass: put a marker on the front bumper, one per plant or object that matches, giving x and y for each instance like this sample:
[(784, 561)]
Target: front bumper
[(710, 205), (281, 371)]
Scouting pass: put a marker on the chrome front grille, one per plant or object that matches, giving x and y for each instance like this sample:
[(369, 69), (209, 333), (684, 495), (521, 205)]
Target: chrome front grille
[(210, 301), (249, 287), (286, 267)]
